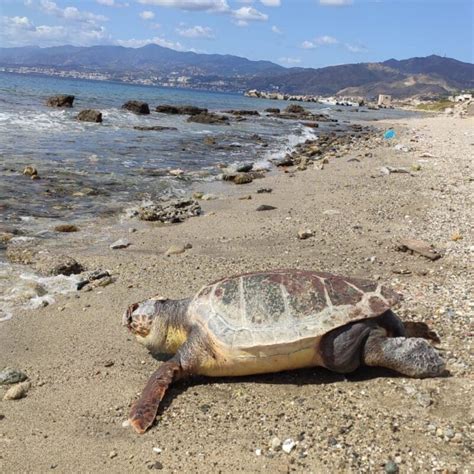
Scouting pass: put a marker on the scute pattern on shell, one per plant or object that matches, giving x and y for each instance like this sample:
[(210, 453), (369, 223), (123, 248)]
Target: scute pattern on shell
[(282, 306)]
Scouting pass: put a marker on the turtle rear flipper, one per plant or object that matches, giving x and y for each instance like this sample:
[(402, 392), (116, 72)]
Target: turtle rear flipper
[(418, 329), (144, 410)]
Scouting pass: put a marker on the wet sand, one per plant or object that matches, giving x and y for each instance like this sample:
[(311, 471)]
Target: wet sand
[(85, 369)]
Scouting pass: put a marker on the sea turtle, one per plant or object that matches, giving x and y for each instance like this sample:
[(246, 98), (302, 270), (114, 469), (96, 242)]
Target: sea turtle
[(273, 321)]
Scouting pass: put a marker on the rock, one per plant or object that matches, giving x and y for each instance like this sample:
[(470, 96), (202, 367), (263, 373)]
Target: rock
[(49, 264), (258, 452), (305, 234), (295, 109), (167, 109), (176, 172), (416, 167), (173, 211), (420, 247), (288, 445), (156, 465), (153, 128), (137, 107), (456, 236), (175, 249), (113, 454), (209, 119), (272, 110), (60, 101), (391, 169), (244, 167), (209, 197), (287, 161), (198, 195), (9, 376), (22, 250), (157, 450), (89, 115), (89, 277), (182, 110), (264, 190), (243, 179), (30, 171), (391, 467), (265, 207), (310, 124), (275, 443), (17, 391), (66, 228), (427, 155), (241, 112), (120, 244), (245, 198)]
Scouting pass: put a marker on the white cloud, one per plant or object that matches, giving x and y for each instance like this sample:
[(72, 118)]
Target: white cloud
[(70, 13), (335, 3), (138, 43), (308, 45), (276, 30), (271, 3), (147, 15), (243, 15), (196, 32), (325, 40), (356, 48), (196, 5), (112, 3), (289, 60)]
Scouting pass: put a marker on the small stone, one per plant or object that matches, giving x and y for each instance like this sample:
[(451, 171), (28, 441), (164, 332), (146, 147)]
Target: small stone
[(391, 467), (305, 234), (125, 424), (176, 172), (156, 465), (275, 443), (157, 450), (265, 207), (198, 195), (258, 452), (30, 171), (10, 376), (449, 433), (120, 244), (416, 167), (264, 190), (288, 445), (17, 391), (66, 228), (457, 438), (245, 198), (243, 179), (113, 454), (175, 250), (209, 197)]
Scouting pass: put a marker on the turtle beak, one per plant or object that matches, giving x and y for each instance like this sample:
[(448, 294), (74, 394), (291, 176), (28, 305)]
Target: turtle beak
[(127, 317)]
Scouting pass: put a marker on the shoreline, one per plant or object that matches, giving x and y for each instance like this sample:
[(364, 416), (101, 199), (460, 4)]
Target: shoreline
[(85, 369)]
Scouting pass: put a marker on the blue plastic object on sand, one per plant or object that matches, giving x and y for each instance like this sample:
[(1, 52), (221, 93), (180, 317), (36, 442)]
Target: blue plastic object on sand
[(389, 134)]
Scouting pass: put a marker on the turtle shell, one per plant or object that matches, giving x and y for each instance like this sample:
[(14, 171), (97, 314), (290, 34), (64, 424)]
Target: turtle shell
[(284, 306)]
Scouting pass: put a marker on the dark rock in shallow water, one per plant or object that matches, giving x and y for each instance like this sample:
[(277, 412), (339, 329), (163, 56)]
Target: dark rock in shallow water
[(90, 115), (295, 109), (137, 107), (172, 211), (154, 128), (66, 228), (209, 119), (244, 167), (241, 112), (272, 110), (181, 110), (60, 101)]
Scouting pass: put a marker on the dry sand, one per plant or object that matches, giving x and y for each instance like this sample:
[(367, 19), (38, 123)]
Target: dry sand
[(85, 369)]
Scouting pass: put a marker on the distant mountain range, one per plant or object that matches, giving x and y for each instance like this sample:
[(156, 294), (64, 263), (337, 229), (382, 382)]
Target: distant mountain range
[(153, 64)]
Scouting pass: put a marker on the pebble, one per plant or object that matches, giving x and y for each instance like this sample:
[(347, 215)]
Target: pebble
[(120, 244), (209, 197), (264, 190), (125, 424), (391, 467), (175, 249), (258, 452), (305, 234), (17, 391), (157, 450), (275, 443), (113, 454), (9, 376), (176, 172), (288, 445), (265, 207)]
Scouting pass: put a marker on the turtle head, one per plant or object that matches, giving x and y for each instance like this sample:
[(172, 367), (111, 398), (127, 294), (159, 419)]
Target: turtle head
[(157, 323)]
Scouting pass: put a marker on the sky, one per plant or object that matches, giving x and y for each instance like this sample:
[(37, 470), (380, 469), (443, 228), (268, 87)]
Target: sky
[(306, 33)]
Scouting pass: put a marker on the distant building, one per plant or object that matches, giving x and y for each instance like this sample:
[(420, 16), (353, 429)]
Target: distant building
[(385, 100)]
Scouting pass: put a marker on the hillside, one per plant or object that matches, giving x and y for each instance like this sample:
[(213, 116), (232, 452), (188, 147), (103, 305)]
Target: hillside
[(153, 64)]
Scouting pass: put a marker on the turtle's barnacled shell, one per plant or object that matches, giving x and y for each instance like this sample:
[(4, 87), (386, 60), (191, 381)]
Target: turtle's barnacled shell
[(282, 306)]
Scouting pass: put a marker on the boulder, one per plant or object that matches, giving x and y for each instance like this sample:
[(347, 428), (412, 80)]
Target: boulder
[(177, 210), (295, 109), (243, 178), (209, 119), (136, 107), (60, 101), (89, 115), (167, 109)]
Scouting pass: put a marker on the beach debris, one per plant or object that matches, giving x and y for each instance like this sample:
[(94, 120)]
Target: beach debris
[(50, 264), (265, 207), (89, 115), (113, 454), (66, 228), (10, 376), (304, 234), (157, 450), (427, 155), (30, 171), (176, 249), (420, 247), (264, 190), (456, 236), (353, 160), (177, 210), (89, 277), (243, 178), (137, 107), (60, 101), (17, 391), (386, 170), (120, 244), (246, 197), (288, 445), (389, 134), (400, 147)]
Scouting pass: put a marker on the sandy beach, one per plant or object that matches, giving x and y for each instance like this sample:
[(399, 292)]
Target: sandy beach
[(85, 369)]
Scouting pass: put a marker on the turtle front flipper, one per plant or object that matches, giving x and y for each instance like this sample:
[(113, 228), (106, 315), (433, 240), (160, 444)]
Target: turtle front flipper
[(144, 410)]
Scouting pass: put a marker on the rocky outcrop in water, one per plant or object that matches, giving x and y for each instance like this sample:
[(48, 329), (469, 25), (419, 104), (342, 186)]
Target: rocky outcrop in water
[(137, 107), (180, 109), (209, 119), (153, 128), (89, 115), (60, 101), (240, 113), (177, 210)]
